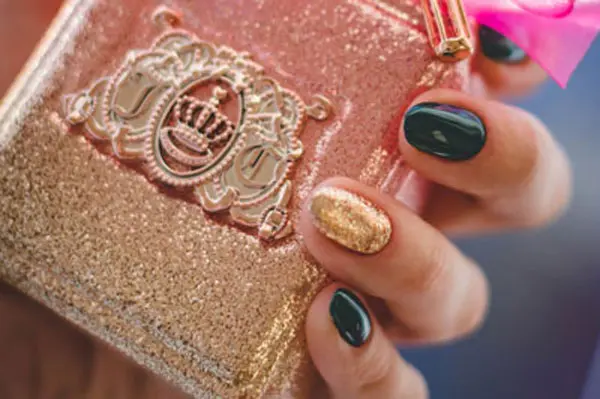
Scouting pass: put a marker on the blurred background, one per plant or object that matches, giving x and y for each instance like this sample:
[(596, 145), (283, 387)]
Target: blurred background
[(544, 324)]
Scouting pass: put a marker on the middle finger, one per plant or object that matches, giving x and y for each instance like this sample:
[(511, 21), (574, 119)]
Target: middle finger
[(504, 167), (376, 244)]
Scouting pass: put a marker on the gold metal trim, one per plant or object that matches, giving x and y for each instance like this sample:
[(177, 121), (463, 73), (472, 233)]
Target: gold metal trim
[(442, 16)]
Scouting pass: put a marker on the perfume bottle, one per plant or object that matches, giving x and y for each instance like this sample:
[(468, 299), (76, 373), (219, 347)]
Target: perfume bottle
[(153, 161)]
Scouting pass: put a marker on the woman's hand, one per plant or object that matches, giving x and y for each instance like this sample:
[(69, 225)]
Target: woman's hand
[(399, 280)]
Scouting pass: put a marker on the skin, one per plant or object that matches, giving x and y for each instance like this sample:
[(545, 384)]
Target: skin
[(421, 288), (420, 291)]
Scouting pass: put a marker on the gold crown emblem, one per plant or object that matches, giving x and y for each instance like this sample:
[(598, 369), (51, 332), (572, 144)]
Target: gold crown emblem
[(206, 118), (200, 128)]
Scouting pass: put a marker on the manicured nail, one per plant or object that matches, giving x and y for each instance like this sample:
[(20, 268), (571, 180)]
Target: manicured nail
[(350, 317), (499, 48), (350, 220), (445, 131)]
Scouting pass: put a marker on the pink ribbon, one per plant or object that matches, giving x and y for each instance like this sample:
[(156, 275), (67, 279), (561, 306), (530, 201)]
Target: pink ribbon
[(554, 33)]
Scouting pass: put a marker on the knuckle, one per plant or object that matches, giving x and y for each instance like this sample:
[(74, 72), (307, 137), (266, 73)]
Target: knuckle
[(373, 367), (537, 180), (413, 384), (527, 168), (422, 275), (515, 159), (476, 305), (540, 156), (541, 217), (550, 196)]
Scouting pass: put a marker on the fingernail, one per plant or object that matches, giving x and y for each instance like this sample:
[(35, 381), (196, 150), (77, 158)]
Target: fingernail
[(350, 317), (445, 131), (499, 48), (350, 220)]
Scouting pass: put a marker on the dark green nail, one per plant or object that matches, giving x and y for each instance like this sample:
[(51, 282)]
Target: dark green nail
[(350, 317), (499, 48), (445, 131)]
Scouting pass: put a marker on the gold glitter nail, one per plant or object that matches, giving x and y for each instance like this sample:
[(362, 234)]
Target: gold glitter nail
[(350, 220)]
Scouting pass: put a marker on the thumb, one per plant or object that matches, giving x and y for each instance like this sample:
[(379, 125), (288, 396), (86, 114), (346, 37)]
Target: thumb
[(352, 353)]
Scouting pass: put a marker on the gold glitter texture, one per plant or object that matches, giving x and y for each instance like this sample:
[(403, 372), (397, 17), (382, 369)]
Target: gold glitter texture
[(350, 220), (202, 303)]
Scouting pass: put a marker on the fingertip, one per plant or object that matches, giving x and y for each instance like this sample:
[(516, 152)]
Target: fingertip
[(329, 219), (372, 369), (504, 67), (504, 144), (332, 347), (442, 126)]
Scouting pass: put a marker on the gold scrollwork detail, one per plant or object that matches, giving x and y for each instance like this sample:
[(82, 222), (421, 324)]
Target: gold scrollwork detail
[(203, 117)]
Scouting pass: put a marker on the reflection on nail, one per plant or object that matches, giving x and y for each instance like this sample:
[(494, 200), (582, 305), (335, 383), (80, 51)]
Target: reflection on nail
[(350, 317), (445, 131), (350, 220)]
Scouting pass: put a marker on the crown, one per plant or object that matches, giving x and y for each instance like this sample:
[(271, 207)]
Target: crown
[(199, 130)]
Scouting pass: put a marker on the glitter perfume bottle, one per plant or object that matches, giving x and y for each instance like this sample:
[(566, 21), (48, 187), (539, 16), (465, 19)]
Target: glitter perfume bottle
[(153, 161)]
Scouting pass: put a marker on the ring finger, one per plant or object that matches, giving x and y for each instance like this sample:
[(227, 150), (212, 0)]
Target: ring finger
[(375, 244)]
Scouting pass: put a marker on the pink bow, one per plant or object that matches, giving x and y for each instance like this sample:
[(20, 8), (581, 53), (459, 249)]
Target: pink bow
[(554, 33)]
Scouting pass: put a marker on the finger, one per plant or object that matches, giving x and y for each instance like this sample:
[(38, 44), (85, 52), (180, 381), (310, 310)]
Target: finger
[(433, 292), (353, 355), (501, 155), (504, 68), (459, 214)]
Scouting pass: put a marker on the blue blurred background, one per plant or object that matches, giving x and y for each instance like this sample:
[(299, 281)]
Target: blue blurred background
[(544, 323)]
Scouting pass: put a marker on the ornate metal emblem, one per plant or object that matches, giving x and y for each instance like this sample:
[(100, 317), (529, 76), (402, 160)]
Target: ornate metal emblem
[(205, 118)]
